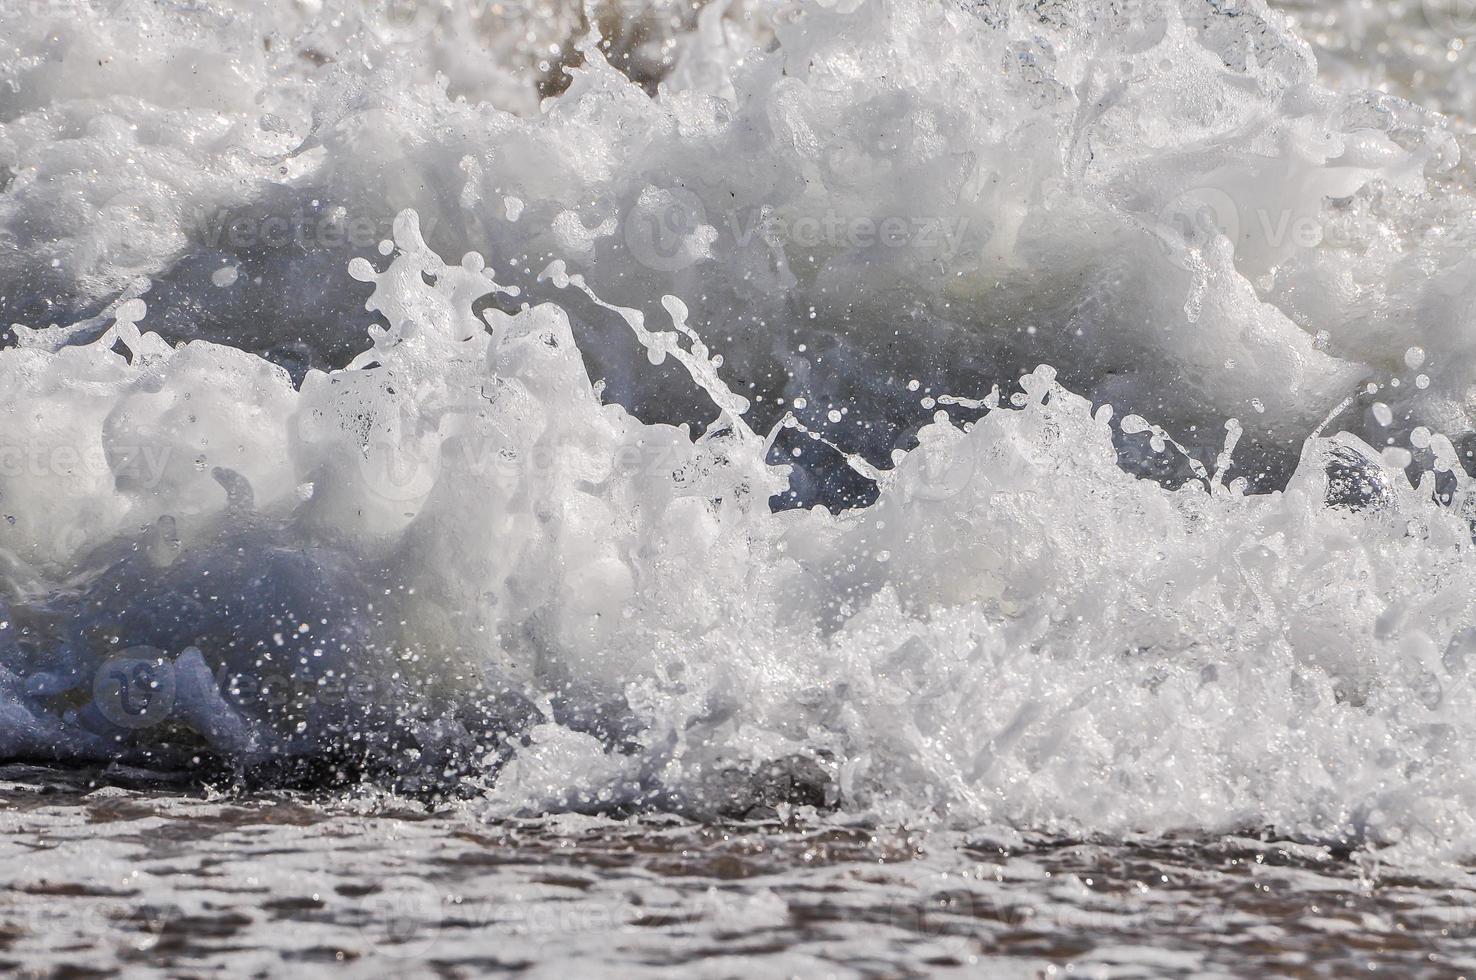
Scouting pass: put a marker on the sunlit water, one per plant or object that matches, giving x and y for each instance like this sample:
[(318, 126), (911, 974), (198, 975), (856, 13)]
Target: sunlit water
[(873, 487)]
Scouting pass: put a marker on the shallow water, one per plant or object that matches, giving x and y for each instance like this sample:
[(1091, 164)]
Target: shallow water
[(111, 879)]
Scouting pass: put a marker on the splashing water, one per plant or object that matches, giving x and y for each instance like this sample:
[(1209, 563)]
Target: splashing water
[(558, 536)]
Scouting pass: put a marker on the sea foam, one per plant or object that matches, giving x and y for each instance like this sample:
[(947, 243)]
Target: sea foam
[(576, 525)]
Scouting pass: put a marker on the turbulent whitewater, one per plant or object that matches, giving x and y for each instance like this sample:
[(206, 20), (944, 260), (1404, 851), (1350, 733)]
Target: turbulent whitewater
[(1044, 415)]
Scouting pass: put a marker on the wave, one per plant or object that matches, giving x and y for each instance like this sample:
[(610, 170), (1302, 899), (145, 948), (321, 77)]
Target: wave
[(721, 471)]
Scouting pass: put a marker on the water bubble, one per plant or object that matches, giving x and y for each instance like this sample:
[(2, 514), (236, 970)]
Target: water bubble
[(1354, 481)]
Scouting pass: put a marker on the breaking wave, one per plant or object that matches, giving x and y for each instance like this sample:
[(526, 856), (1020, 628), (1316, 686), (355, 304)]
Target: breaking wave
[(722, 471)]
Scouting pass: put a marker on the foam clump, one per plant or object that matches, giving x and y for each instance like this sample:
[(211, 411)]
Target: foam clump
[(1160, 200)]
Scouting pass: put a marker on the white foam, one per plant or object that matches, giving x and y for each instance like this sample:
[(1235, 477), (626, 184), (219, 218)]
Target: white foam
[(1018, 630)]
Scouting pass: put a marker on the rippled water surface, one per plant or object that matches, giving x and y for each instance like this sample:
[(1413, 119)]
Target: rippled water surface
[(98, 881)]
